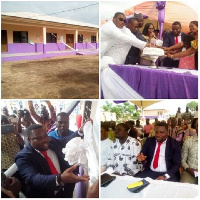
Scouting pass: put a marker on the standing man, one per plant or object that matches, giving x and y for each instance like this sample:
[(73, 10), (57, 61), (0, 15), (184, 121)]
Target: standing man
[(171, 38), (133, 56), (116, 39), (42, 166), (162, 155), (147, 128), (187, 115)]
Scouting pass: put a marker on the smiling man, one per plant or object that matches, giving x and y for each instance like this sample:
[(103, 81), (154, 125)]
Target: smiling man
[(162, 155), (62, 127), (42, 166)]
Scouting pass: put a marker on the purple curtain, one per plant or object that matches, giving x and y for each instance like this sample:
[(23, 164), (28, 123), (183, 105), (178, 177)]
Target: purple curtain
[(160, 5)]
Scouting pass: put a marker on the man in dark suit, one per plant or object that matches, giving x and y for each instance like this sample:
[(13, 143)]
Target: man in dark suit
[(173, 37), (161, 156), (133, 56), (46, 176)]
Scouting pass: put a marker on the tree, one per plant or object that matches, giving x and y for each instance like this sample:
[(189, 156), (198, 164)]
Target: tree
[(125, 110), (192, 105)]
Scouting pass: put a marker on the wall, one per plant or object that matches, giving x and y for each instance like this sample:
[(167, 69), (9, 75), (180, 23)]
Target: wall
[(35, 39)]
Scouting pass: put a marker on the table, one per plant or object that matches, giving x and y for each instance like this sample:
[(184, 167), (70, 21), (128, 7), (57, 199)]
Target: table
[(159, 83), (156, 189)]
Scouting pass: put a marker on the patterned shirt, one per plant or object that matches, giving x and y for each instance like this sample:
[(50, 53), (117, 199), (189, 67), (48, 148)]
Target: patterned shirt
[(176, 133), (190, 153), (123, 157)]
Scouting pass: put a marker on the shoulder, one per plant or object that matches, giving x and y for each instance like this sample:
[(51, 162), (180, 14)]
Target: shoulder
[(52, 133)]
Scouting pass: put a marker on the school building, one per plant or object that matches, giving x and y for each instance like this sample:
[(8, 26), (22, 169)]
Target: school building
[(24, 32)]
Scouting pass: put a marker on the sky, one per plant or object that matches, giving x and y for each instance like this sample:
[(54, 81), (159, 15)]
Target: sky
[(109, 8), (85, 11)]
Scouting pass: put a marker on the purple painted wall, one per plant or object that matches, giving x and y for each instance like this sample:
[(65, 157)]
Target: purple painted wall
[(21, 48), (38, 47), (55, 47), (85, 45)]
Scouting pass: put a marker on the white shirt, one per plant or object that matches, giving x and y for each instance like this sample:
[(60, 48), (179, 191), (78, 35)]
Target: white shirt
[(53, 158), (116, 42), (105, 147), (122, 158), (161, 160)]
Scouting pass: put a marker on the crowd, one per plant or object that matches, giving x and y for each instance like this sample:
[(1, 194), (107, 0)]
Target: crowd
[(163, 150), (122, 42), (34, 139)]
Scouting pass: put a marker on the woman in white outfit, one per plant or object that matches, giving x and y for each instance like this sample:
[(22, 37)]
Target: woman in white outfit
[(116, 41)]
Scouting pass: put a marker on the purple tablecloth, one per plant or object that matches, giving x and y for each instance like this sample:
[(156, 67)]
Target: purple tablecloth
[(158, 84)]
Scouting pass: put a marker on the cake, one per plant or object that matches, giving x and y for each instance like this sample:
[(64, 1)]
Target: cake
[(153, 51)]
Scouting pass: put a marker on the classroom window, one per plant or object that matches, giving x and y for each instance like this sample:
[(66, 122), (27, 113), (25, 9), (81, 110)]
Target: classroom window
[(80, 38), (93, 39), (51, 38), (20, 36)]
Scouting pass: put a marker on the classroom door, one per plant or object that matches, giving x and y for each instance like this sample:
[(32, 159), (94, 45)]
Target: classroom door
[(70, 40), (4, 41)]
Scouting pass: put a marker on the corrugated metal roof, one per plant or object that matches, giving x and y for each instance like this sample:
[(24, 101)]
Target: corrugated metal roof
[(48, 18)]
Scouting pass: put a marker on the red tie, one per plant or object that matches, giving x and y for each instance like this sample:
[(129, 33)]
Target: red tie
[(50, 163), (155, 162), (176, 39)]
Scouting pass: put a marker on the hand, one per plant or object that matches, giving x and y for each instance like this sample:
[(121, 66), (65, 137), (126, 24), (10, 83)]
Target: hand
[(13, 185), (190, 171), (93, 191), (69, 177), (141, 157), (161, 178)]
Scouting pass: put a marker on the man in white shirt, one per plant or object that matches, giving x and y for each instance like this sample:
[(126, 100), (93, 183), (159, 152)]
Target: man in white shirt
[(116, 39), (161, 156), (122, 158)]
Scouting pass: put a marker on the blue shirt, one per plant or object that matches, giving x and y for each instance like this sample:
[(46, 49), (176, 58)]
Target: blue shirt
[(56, 135)]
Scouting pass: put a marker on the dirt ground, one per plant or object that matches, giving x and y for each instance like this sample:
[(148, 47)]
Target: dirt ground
[(71, 77)]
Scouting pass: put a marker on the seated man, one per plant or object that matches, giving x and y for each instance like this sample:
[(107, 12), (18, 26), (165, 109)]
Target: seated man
[(123, 151), (42, 166), (162, 155)]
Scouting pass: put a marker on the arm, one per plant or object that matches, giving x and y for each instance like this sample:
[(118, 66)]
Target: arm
[(28, 168), (175, 46), (181, 54), (175, 160), (33, 113), (52, 111), (135, 149), (127, 37), (185, 151)]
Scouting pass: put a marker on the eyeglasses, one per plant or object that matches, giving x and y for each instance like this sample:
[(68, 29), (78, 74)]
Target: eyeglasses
[(122, 20)]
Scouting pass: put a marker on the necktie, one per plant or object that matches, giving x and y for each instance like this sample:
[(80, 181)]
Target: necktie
[(155, 162), (176, 39), (50, 163)]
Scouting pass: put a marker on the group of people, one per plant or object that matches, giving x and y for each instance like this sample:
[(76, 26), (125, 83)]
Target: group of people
[(35, 145), (122, 42), (164, 150)]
